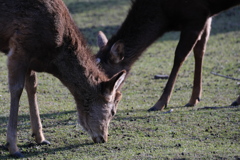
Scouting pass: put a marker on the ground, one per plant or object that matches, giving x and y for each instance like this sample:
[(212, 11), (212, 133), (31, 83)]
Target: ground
[(134, 133)]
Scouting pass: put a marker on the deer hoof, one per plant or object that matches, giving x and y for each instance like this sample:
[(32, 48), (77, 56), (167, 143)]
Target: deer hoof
[(235, 103), (153, 109), (45, 142), (18, 155), (189, 105), (158, 107)]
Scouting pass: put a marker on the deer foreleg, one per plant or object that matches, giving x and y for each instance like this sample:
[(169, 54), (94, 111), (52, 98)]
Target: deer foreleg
[(199, 51), (31, 88), (188, 38), (16, 78)]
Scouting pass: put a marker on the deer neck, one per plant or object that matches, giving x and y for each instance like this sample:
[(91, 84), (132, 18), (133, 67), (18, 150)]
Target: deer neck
[(136, 37), (77, 71)]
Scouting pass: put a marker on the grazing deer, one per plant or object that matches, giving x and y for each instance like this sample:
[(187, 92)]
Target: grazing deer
[(147, 21), (40, 36)]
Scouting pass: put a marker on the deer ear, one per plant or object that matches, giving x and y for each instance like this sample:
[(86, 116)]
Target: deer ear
[(118, 97), (117, 51), (118, 79), (101, 39), (110, 87)]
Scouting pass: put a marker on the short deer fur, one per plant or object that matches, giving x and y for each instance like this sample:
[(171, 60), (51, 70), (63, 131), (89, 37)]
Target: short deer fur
[(40, 35), (147, 21)]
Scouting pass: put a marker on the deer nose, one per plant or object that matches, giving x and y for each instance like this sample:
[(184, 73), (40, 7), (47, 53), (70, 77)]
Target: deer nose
[(99, 139)]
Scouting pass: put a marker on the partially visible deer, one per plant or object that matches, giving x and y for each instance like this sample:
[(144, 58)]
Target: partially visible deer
[(40, 35), (147, 21)]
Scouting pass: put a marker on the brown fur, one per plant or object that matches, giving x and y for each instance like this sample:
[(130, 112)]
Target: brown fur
[(40, 35), (147, 21)]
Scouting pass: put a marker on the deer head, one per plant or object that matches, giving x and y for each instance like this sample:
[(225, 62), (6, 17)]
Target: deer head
[(96, 118), (116, 51), (110, 57)]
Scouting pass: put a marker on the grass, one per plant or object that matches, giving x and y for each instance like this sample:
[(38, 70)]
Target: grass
[(186, 133)]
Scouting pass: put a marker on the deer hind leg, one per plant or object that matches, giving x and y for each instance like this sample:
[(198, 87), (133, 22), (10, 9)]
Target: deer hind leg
[(31, 88), (16, 78), (188, 39), (199, 51)]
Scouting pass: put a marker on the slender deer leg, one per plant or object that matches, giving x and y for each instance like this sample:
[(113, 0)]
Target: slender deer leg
[(237, 102), (199, 51), (16, 76), (31, 88), (188, 38)]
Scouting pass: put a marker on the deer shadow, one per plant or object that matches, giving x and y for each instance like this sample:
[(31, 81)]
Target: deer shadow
[(46, 150), (44, 117), (79, 7)]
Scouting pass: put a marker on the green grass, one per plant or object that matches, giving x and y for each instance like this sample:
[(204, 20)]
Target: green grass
[(186, 133)]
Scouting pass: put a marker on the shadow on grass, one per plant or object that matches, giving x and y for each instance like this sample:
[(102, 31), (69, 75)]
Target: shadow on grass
[(206, 107), (44, 117), (46, 150), (218, 107), (47, 118), (54, 150), (128, 116), (90, 33), (79, 7), (127, 112), (125, 115)]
